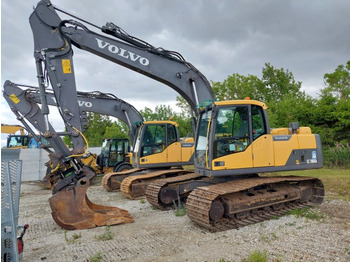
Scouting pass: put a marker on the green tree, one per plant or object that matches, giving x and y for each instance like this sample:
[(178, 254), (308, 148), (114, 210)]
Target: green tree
[(338, 82), (333, 114), (161, 112), (116, 130), (237, 86), (164, 112), (97, 125), (278, 83)]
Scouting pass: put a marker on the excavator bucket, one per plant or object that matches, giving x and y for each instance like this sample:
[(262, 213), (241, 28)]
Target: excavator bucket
[(71, 209)]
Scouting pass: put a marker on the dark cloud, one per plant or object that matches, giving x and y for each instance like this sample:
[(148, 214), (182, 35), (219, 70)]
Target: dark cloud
[(220, 37)]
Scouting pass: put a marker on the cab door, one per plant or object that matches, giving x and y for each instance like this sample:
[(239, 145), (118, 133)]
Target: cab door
[(262, 146), (173, 145)]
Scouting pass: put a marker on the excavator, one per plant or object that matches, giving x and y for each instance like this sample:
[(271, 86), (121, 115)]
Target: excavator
[(21, 140), (115, 154), (115, 159), (233, 140)]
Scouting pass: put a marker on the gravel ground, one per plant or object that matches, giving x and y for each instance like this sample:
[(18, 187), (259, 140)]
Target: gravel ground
[(161, 236)]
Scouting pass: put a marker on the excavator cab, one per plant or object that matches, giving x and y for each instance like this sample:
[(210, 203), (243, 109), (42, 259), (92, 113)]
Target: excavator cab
[(18, 141), (115, 155), (158, 143), (234, 137)]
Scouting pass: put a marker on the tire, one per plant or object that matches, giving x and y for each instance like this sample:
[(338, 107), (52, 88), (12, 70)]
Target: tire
[(122, 167)]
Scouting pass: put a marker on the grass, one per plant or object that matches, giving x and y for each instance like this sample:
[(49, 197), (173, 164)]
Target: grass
[(256, 256), (335, 181), (96, 258), (309, 213), (74, 239), (180, 212), (107, 235), (180, 209)]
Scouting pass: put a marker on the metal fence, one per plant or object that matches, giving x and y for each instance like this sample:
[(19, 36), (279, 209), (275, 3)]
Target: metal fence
[(11, 171)]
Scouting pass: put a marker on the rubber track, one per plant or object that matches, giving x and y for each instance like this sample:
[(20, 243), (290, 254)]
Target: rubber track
[(105, 179), (126, 185), (199, 202), (153, 189)]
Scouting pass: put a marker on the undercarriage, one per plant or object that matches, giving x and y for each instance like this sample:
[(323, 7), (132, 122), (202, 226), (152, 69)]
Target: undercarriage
[(235, 203)]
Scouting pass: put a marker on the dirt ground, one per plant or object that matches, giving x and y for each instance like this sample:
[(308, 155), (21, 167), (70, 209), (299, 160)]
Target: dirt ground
[(161, 236)]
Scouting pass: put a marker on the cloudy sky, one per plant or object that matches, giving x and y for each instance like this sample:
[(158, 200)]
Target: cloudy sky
[(219, 37)]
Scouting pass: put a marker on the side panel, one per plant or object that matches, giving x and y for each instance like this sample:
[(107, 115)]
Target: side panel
[(291, 149), (187, 151), (154, 158), (283, 146), (263, 151), (234, 161), (174, 152)]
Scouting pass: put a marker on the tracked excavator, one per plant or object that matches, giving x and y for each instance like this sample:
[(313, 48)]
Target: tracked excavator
[(233, 141)]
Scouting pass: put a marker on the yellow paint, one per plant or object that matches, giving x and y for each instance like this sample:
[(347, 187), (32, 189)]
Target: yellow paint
[(14, 98), (66, 66), (161, 122), (241, 102), (263, 151), (154, 158), (307, 141), (174, 153), (235, 161)]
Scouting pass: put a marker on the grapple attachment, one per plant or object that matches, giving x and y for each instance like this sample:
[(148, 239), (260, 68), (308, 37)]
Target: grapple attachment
[(71, 209)]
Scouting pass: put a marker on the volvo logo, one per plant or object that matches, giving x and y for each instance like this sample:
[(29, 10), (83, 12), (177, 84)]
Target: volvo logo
[(122, 52), (84, 103)]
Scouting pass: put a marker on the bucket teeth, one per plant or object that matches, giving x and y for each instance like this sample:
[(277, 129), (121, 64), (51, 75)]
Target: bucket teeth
[(71, 209)]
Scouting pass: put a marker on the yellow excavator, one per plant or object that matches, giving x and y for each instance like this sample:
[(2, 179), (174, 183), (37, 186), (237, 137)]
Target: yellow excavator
[(14, 140), (158, 153), (233, 140), (234, 143)]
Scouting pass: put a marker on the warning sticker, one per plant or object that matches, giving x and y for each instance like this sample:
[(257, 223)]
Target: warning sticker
[(66, 66), (14, 98)]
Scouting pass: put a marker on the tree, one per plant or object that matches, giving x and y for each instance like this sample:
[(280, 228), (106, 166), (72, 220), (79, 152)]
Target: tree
[(278, 83), (237, 86), (164, 112), (333, 114), (116, 130), (97, 125), (161, 112), (338, 82)]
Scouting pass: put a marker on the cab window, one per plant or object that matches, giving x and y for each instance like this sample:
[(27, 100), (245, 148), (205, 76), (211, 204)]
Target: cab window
[(171, 134), (202, 138), (153, 140), (258, 122), (232, 133)]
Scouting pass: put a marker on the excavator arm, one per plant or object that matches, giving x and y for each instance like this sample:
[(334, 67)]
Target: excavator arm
[(71, 208), (53, 38), (96, 102)]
